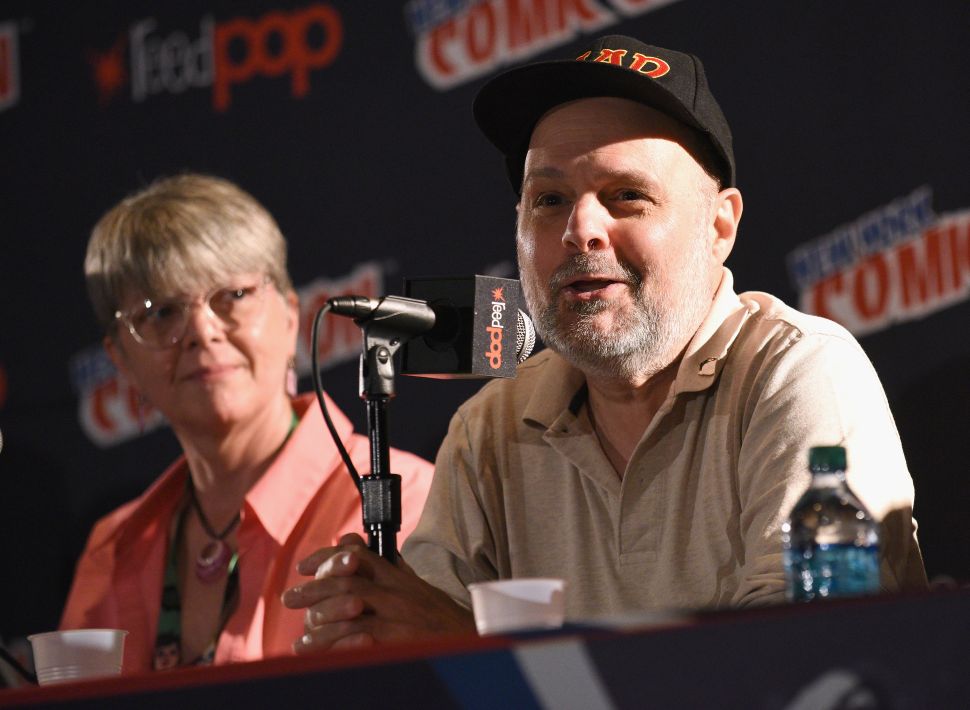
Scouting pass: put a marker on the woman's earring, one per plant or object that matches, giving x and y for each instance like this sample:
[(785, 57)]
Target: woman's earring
[(291, 379)]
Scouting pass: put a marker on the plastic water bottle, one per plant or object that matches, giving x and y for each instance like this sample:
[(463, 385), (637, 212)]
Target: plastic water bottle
[(830, 541)]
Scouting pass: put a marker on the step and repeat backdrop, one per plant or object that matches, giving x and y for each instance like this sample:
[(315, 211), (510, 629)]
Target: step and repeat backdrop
[(351, 121)]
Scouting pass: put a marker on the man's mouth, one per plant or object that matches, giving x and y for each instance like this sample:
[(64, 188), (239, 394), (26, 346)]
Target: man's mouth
[(587, 285), (591, 287)]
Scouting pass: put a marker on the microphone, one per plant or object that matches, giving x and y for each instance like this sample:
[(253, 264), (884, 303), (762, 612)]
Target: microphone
[(462, 323), (407, 316)]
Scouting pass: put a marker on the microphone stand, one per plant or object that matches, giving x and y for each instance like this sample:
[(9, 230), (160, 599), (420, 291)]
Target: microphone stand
[(380, 490)]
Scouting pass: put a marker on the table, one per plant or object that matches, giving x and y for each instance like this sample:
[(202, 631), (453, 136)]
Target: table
[(900, 651)]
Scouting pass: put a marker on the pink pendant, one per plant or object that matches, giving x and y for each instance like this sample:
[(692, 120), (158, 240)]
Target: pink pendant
[(212, 562)]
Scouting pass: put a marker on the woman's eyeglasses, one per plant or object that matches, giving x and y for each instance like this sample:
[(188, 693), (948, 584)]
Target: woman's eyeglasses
[(158, 324)]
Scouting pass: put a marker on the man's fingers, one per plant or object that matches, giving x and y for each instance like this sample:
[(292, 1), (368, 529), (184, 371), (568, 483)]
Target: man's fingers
[(357, 598), (343, 634), (351, 540), (309, 564), (324, 587), (361, 640), (342, 564), (338, 608), (402, 565), (298, 597)]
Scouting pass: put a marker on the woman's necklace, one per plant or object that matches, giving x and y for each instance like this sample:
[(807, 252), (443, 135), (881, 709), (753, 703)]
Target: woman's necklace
[(213, 560)]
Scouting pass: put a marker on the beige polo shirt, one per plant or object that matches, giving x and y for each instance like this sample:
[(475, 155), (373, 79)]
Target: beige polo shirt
[(522, 487)]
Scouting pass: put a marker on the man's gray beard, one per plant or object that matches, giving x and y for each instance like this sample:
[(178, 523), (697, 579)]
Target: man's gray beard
[(644, 338)]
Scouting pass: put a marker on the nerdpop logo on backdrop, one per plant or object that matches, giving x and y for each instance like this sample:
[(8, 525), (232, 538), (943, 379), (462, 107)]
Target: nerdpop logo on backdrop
[(224, 55)]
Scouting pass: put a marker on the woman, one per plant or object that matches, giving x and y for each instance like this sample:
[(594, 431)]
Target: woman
[(188, 277)]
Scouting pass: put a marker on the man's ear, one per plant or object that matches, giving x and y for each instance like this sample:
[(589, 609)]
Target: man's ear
[(728, 206)]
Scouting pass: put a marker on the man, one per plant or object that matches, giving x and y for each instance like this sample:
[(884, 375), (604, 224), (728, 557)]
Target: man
[(650, 455)]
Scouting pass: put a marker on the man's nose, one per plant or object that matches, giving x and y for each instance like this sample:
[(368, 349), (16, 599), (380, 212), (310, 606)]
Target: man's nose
[(586, 229)]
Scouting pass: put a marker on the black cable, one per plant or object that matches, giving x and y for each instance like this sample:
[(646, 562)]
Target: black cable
[(318, 387)]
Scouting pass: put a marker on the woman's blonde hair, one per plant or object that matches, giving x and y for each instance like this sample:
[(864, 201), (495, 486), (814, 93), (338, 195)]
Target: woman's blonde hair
[(178, 236)]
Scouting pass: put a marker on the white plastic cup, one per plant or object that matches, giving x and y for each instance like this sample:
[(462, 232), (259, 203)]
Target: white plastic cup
[(61, 656), (518, 605)]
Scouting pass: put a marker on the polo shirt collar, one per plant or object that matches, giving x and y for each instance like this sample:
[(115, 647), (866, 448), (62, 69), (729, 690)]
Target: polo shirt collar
[(559, 391), (707, 350)]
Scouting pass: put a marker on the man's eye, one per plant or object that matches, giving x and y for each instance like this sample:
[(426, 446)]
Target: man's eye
[(548, 200), (629, 195)]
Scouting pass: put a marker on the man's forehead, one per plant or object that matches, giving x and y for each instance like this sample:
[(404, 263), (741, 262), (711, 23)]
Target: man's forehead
[(631, 135), (610, 116)]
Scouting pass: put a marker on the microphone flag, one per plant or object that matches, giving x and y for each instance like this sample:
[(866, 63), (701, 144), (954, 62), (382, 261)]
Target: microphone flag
[(480, 329)]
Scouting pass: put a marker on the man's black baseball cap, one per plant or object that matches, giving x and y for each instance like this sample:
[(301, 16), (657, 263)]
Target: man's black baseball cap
[(508, 107)]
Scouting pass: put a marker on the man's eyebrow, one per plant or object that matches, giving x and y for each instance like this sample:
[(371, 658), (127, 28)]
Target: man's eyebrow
[(547, 171), (633, 177)]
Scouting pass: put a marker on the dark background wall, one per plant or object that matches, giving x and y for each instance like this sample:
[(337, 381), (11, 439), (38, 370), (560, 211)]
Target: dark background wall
[(328, 114)]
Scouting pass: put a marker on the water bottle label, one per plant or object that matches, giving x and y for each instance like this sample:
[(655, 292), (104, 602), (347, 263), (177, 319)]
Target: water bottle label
[(828, 571)]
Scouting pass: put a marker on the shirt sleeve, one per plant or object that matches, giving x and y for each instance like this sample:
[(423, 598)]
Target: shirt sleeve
[(820, 389), (453, 545)]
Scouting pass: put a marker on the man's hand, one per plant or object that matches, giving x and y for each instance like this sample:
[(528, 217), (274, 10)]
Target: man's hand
[(359, 599)]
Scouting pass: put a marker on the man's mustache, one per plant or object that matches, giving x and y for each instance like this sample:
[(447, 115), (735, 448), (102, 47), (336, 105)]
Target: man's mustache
[(589, 264)]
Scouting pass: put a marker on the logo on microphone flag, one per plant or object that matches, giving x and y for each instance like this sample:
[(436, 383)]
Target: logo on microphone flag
[(496, 330)]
